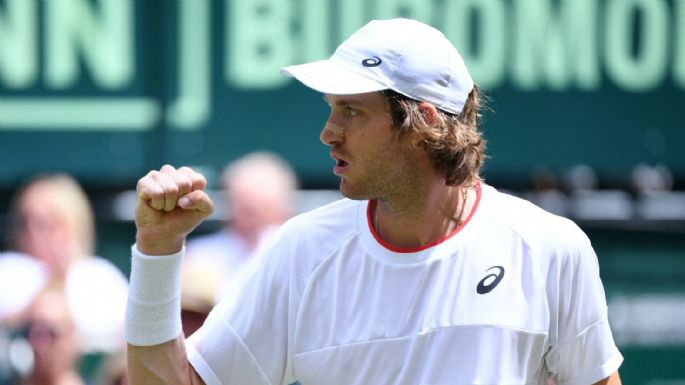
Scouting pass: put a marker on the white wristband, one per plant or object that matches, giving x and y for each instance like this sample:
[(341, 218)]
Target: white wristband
[(153, 311)]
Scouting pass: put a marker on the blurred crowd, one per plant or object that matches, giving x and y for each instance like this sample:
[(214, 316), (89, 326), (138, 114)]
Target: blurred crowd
[(62, 306)]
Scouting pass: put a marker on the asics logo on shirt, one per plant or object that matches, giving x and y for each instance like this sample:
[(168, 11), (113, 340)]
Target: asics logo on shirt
[(491, 280), (372, 62)]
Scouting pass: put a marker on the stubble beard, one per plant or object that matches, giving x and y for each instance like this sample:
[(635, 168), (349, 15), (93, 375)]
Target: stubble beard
[(384, 179)]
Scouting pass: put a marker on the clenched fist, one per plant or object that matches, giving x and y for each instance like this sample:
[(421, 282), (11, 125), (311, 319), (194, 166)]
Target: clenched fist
[(171, 203)]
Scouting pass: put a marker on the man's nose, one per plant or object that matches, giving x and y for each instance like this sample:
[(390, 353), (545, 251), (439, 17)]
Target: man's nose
[(332, 134)]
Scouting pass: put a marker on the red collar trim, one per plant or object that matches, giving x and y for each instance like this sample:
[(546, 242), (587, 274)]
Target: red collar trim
[(372, 205)]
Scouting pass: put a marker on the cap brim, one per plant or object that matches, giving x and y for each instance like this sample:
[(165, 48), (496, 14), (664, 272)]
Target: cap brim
[(328, 77)]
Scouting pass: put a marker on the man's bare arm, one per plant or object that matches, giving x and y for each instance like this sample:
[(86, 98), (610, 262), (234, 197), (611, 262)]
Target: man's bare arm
[(161, 364), (171, 203)]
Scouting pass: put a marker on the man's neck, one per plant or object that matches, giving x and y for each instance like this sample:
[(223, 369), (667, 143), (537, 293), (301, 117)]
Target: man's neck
[(423, 220)]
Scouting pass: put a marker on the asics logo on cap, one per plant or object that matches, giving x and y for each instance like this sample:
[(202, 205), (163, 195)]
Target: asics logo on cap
[(374, 61), (490, 281)]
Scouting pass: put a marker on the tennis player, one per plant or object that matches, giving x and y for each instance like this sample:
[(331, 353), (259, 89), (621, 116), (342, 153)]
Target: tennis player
[(423, 275)]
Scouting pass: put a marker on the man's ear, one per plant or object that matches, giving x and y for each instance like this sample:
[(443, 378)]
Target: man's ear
[(431, 114), (429, 111)]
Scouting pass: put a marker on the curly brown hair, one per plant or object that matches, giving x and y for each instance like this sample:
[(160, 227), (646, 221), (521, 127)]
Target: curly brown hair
[(453, 142)]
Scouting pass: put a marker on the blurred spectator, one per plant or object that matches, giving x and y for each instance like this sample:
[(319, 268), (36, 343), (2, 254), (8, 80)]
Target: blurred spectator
[(258, 193), (52, 220), (51, 333), (52, 231), (646, 179), (581, 177)]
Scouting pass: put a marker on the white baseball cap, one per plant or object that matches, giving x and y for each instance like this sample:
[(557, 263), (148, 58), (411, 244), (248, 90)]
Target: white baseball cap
[(403, 55)]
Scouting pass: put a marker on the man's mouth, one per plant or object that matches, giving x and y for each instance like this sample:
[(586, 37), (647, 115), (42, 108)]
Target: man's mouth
[(340, 165)]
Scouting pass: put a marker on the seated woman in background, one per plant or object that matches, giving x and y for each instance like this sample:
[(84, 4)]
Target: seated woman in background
[(52, 235)]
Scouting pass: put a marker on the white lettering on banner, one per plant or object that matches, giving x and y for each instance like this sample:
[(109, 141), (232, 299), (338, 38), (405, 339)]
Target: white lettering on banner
[(538, 44), (413, 9), (350, 18), (647, 68), (315, 32), (74, 33), (488, 63), (78, 114), (258, 42), (104, 40), (192, 106), (679, 51), (555, 49), (18, 44), (559, 45)]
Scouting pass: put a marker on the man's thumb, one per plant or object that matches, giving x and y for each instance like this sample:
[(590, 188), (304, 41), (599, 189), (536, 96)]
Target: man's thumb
[(197, 200)]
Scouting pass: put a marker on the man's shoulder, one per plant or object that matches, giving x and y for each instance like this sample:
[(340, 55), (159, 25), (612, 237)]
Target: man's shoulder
[(305, 241), (536, 226), (323, 228)]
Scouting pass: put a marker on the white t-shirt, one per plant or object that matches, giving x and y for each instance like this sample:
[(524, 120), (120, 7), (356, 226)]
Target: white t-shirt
[(513, 297)]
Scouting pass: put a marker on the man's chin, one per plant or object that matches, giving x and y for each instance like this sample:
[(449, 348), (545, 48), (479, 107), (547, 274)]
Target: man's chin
[(351, 193)]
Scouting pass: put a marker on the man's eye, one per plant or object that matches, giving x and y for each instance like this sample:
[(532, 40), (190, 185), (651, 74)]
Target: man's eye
[(352, 111)]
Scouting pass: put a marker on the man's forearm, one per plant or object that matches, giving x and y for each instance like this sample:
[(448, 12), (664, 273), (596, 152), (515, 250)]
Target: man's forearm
[(161, 364)]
